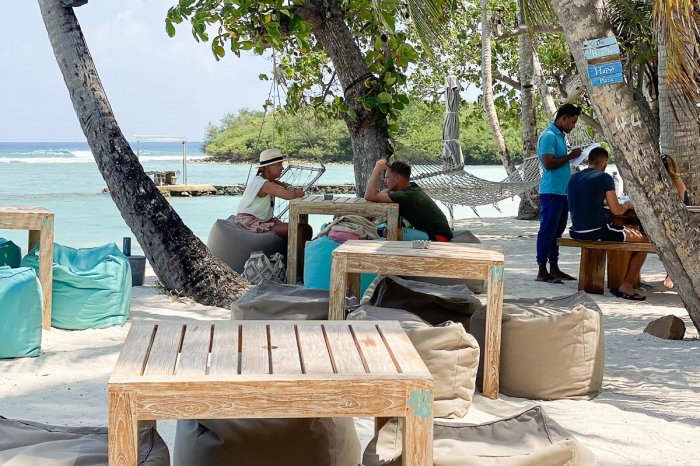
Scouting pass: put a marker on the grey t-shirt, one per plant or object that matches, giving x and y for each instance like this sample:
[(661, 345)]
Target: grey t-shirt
[(586, 193)]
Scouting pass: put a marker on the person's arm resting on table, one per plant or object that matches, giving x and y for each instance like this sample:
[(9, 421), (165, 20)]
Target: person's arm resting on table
[(275, 190), (615, 207), (372, 192)]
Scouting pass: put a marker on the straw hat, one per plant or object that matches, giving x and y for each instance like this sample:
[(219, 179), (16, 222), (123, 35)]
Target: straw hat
[(269, 157)]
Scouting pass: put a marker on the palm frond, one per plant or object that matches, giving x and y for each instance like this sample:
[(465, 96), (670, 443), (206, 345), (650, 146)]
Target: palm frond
[(540, 13), (677, 25), (427, 16), (631, 20)]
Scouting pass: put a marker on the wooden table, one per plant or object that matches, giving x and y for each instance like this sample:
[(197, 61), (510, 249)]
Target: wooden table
[(39, 222), (299, 210), (278, 369), (440, 260)]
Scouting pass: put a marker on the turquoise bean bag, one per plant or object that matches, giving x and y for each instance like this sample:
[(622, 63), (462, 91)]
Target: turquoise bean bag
[(317, 266), (91, 287), (21, 310), (10, 253)]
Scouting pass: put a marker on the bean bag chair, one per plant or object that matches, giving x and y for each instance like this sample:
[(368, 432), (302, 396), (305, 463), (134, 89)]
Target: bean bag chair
[(91, 287), (273, 301), (530, 438), (10, 253), (21, 310), (24, 443), (233, 245), (317, 265), (551, 349), (449, 352), (267, 442), (433, 303), (475, 286)]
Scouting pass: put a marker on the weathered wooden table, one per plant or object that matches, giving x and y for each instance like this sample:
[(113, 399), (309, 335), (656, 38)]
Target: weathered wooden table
[(39, 222), (440, 260), (277, 369), (299, 210)]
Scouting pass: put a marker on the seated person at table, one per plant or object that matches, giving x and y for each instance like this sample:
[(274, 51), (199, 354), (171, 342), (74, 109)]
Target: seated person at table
[(672, 168), (587, 192), (414, 205)]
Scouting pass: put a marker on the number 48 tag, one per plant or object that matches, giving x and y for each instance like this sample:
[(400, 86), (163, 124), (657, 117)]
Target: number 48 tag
[(421, 404)]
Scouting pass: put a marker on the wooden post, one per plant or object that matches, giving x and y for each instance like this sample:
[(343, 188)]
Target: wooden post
[(591, 277), (492, 344), (34, 237), (392, 224), (355, 284), (46, 267), (123, 430), (339, 286), (292, 239), (418, 428)]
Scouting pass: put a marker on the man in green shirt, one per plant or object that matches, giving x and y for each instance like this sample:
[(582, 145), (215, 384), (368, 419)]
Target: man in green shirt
[(416, 207)]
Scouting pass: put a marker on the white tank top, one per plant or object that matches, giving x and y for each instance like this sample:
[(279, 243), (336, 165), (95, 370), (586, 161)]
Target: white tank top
[(260, 207)]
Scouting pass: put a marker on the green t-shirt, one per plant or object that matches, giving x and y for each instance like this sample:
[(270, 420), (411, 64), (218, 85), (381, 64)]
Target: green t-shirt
[(421, 211)]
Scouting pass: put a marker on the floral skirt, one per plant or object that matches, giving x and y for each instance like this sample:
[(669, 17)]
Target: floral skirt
[(253, 223)]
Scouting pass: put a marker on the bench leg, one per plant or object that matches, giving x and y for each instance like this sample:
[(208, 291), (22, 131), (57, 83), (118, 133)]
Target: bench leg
[(418, 440), (123, 430), (618, 261), (592, 272)]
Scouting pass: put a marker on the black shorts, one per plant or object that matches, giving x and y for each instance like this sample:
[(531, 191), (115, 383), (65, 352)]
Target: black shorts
[(609, 232)]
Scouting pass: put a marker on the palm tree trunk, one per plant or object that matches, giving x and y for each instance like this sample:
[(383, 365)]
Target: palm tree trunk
[(679, 132), (487, 84), (676, 237), (529, 208), (181, 261), (550, 107)]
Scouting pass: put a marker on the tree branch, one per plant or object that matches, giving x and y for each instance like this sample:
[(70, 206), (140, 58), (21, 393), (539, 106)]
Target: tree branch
[(536, 29), (508, 80)]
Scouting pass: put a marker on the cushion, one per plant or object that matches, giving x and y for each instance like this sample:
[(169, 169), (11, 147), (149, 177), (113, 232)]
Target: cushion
[(267, 442), (449, 352), (433, 303), (10, 253), (233, 245), (24, 443), (21, 311), (317, 265), (91, 287), (342, 236), (530, 438), (273, 301), (550, 348)]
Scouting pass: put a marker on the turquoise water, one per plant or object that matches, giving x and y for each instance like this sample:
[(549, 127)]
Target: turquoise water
[(63, 178)]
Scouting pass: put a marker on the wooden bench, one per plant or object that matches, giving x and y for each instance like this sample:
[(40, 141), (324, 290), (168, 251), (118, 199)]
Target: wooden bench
[(593, 257)]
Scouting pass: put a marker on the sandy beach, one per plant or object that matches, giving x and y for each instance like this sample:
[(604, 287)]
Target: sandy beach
[(648, 413)]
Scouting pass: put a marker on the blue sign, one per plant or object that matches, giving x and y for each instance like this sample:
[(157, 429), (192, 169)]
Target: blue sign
[(603, 80), (597, 43), (591, 53), (606, 69)]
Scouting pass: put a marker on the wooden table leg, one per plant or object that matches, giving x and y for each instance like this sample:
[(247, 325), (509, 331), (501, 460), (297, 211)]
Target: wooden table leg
[(355, 284), (591, 278), (418, 430), (380, 422), (339, 286), (34, 237), (123, 430), (46, 267), (392, 224), (492, 350), (617, 267), (292, 238)]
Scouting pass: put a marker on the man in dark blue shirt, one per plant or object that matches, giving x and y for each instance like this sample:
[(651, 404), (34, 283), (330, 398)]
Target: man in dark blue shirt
[(587, 192)]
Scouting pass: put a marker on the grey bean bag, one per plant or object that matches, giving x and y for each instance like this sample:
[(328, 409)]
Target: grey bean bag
[(550, 348), (530, 438), (449, 352), (267, 442), (475, 286), (24, 443), (433, 303), (233, 245), (274, 301)]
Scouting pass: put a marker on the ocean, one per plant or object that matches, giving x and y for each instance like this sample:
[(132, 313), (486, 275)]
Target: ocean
[(63, 178)]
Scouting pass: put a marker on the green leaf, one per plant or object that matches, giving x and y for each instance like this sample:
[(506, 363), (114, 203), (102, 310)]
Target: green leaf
[(384, 97), (402, 98), (352, 113), (371, 102), (219, 50), (169, 28), (388, 21)]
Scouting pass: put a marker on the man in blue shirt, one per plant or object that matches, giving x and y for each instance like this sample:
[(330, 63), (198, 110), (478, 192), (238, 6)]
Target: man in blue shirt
[(554, 209), (588, 191)]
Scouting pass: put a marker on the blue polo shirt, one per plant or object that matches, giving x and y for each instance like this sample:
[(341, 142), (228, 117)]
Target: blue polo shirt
[(552, 142)]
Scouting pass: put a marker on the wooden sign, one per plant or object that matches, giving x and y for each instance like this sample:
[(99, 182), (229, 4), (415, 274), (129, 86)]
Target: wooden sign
[(603, 57), (605, 69), (591, 53), (598, 43), (603, 80)]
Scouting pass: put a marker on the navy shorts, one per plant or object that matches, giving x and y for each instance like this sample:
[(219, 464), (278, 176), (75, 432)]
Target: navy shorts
[(609, 232)]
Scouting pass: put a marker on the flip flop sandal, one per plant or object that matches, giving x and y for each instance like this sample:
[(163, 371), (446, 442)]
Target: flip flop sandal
[(631, 297)]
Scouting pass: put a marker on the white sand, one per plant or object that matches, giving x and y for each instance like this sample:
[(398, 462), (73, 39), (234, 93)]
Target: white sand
[(648, 413)]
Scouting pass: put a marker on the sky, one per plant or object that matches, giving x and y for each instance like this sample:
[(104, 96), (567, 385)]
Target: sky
[(155, 84)]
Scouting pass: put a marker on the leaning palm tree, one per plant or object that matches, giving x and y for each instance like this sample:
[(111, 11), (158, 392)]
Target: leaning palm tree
[(181, 261), (675, 235)]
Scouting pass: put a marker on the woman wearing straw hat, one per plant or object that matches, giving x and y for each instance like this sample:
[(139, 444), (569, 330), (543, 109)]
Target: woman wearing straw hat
[(256, 210)]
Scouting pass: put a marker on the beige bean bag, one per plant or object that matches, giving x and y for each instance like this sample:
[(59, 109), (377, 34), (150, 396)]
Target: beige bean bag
[(433, 303), (24, 443), (550, 348), (530, 438), (450, 353), (233, 245), (270, 300)]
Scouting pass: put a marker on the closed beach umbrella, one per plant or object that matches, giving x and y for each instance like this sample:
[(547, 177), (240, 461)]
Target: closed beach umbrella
[(451, 152)]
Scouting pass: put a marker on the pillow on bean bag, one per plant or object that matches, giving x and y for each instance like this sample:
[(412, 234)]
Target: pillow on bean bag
[(10, 253), (21, 313), (317, 265)]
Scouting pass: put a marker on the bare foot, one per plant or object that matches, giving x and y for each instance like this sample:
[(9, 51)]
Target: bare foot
[(668, 283)]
